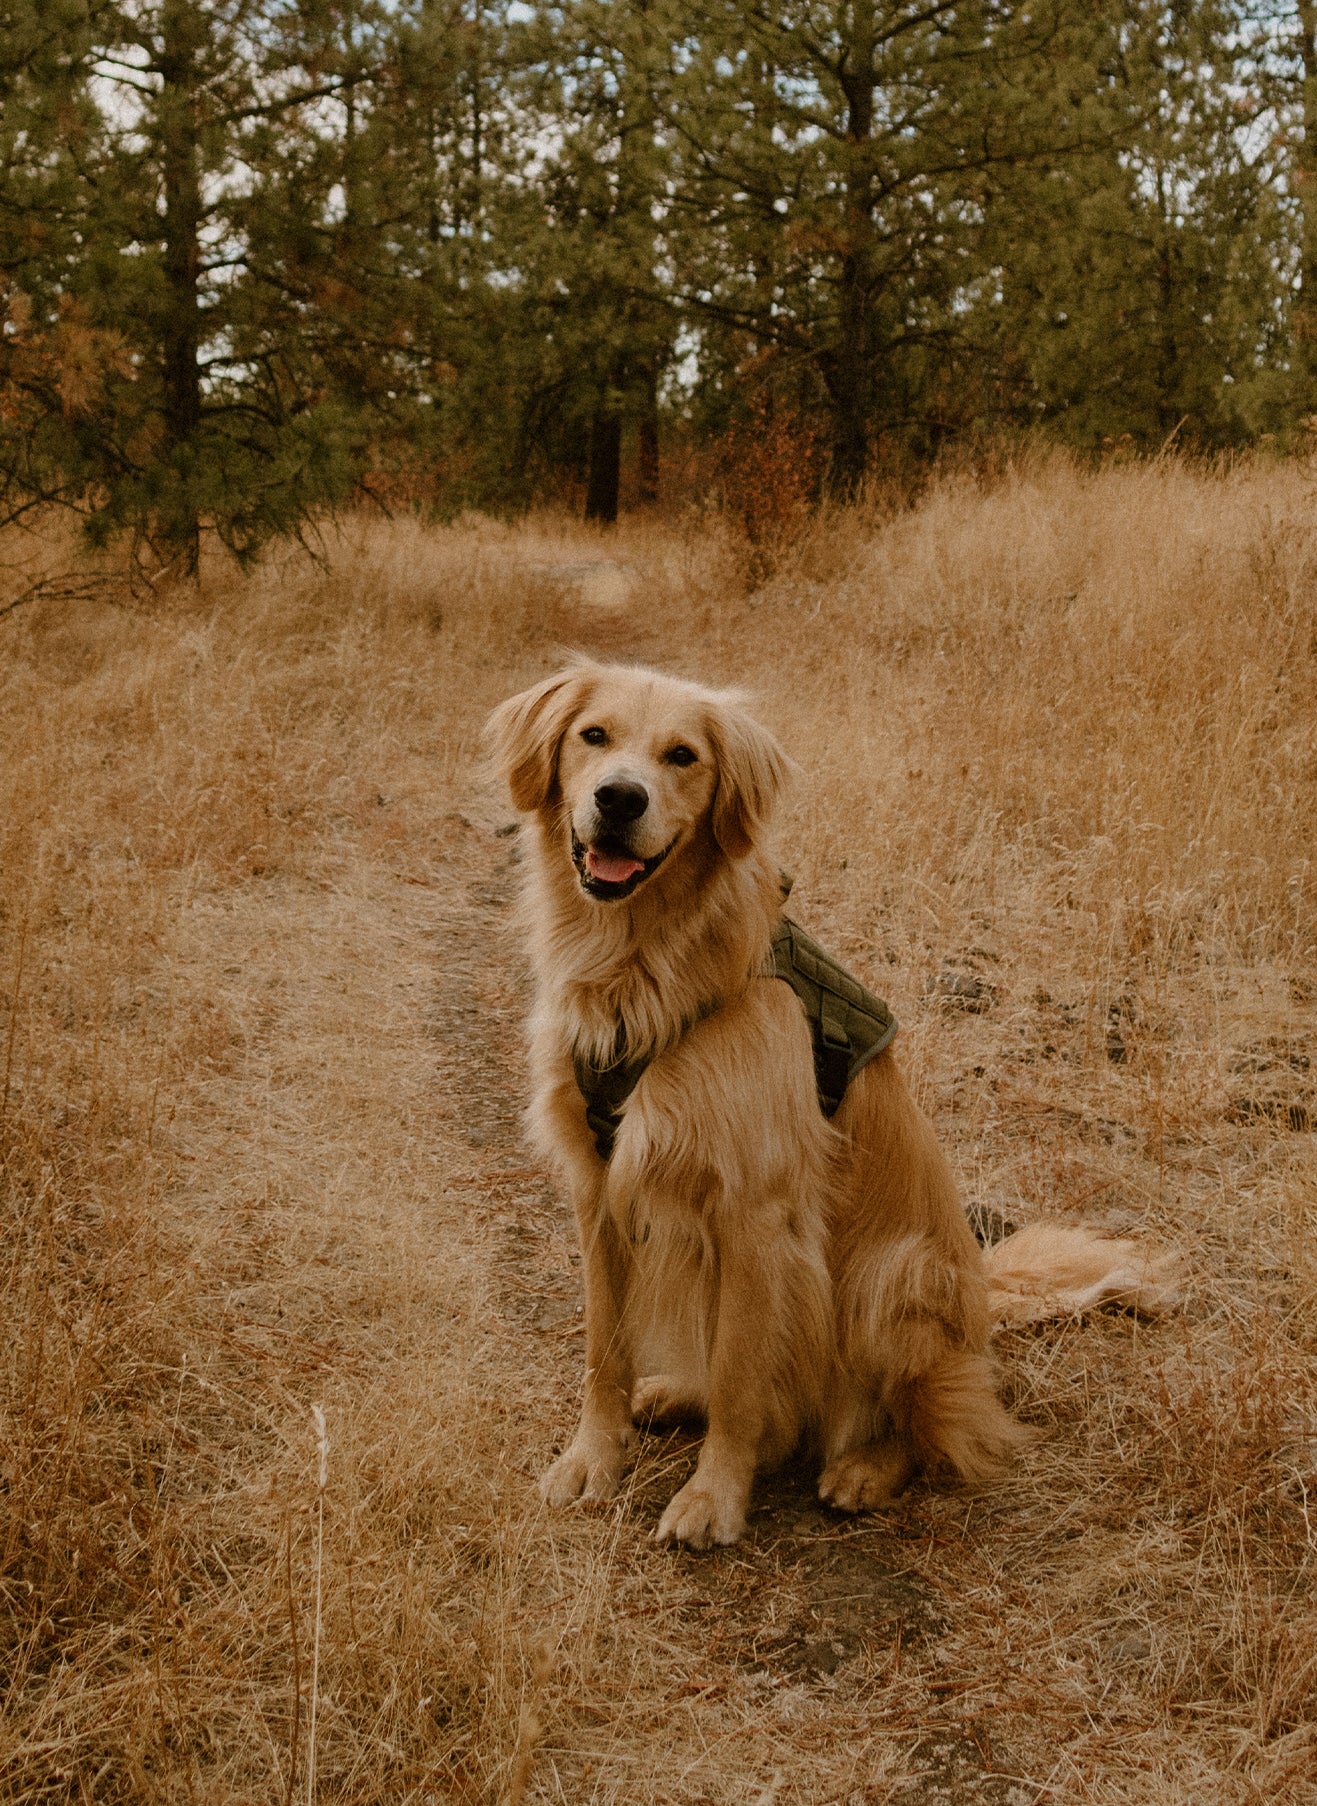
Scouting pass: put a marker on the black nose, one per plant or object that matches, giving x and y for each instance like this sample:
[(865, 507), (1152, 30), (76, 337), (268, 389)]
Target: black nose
[(621, 800)]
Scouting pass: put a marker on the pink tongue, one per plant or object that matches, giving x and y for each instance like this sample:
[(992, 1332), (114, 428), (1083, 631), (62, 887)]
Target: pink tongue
[(612, 868)]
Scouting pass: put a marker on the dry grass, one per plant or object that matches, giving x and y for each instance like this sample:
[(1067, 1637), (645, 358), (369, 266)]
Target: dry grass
[(260, 1077)]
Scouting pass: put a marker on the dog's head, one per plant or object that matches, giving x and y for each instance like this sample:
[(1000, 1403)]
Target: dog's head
[(635, 767)]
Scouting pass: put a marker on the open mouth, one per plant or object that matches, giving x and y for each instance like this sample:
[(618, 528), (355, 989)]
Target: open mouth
[(612, 872)]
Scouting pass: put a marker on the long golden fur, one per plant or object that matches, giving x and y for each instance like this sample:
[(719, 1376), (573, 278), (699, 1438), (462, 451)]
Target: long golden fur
[(745, 1261)]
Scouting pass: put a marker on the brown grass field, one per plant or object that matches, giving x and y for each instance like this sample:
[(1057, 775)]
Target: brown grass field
[(260, 1082)]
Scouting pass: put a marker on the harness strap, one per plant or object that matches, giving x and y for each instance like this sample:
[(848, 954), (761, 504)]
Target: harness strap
[(849, 1026), (605, 1090)]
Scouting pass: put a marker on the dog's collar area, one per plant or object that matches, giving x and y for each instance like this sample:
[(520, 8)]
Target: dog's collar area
[(849, 1027), (600, 888)]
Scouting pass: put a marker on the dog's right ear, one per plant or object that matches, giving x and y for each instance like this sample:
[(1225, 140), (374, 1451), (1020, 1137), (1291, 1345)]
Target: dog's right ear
[(527, 731), (752, 772)]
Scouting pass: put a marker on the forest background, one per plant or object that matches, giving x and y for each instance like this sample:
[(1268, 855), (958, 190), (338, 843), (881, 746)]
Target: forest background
[(260, 258)]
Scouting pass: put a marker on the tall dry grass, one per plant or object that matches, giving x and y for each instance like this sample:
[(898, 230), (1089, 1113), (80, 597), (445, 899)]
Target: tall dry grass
[(259, 1030)]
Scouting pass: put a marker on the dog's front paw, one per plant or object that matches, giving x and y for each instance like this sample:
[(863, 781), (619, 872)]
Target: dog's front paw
[(589, 1471), (701, 1514)]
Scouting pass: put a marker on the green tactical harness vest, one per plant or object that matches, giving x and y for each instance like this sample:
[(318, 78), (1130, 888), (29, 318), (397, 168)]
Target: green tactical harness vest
[(849, 1025)]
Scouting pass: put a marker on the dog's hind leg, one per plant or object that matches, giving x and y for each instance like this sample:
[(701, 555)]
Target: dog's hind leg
[(868, 1477), (912, 1308), (671, 1307), (868, 1461), (957, 1421), (944, 1418)]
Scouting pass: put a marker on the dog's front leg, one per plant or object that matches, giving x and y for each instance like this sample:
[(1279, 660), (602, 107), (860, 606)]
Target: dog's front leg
[(591, 1466), (747, 1337)]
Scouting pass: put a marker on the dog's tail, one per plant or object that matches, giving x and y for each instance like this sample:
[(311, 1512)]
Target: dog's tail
[(1050, 1270)]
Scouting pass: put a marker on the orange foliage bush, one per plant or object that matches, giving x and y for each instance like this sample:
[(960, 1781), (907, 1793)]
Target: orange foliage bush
[(770, 466)]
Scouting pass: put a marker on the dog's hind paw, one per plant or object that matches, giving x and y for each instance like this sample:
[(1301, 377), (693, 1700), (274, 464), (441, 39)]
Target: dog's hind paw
[(583, 1473), (698, 1516), (659, 1400), (866, 1478)]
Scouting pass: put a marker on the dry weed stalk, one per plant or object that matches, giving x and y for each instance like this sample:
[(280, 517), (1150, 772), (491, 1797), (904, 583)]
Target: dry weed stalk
[(530, 1724), (322, 1481), (295, 1700)]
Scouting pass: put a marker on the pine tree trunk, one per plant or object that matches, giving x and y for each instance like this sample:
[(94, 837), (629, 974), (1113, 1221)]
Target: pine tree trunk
[(477, 114), (605, 465), (850, 385), (850, 375), (1168, 355), (181, 326), (649, 442), (1305, 306)]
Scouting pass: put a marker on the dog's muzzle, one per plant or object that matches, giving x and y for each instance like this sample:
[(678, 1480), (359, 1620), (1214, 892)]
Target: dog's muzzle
[(609, 870)]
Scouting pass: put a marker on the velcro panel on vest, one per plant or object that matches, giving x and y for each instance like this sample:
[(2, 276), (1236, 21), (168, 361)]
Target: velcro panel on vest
[(850, 1026)]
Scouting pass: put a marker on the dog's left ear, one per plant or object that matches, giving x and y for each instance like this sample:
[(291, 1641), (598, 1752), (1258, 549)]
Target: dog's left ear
[(752, 773), (527, 731)]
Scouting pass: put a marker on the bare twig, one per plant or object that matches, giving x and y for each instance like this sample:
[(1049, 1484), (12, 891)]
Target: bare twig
[(13, 1019), (114, 587)]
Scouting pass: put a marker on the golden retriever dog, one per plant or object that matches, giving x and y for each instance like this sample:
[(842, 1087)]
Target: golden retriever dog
[(784, 1278)]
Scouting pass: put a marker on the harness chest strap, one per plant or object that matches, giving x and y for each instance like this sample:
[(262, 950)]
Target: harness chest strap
[(849, 1026)]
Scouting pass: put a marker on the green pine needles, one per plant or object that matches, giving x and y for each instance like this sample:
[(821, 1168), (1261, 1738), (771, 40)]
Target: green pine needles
[(259, 258)]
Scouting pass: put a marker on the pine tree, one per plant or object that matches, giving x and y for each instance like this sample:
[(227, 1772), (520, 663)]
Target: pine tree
[(839, 153), (173, 432), (312, 249), (589, 280), (61, 369), (374, 230), (1139, 286)]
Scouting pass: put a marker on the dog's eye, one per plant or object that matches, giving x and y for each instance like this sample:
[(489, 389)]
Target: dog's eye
[(594, 736), (681, 755)]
